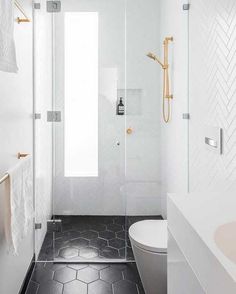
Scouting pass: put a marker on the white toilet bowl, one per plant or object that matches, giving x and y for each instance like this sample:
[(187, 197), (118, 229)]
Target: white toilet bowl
[(149, 242)]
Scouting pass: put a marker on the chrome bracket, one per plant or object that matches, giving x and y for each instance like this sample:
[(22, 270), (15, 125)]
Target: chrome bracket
[(186, 116), (37, 116), (54, 116), (37, 5), (53, 6), (54, 225), (186, 6), (38, 226)]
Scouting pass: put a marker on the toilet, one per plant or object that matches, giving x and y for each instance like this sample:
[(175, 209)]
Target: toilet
[(149, 243)]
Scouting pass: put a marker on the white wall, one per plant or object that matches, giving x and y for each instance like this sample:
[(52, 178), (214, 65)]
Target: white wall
[(141, 150), (212, 100), (174, 135), (16, 133), (43, 129), (212, 93)]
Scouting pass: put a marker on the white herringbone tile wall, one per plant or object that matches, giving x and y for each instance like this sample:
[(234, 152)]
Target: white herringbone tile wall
[(212, 99)]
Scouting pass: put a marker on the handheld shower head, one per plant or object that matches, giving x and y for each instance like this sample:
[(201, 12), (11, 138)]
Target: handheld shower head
[(151, 55), (155, 58)]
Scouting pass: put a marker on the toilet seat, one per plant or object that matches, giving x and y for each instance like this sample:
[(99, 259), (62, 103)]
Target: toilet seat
[(150, 235)]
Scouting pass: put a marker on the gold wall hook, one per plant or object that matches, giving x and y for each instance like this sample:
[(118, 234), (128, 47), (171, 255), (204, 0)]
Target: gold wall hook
[(20, 155), (20, 8), (129, 131), (20, 20)]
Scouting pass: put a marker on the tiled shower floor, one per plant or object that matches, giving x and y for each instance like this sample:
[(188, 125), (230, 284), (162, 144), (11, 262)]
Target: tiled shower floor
[(49, 278), (90, 238)]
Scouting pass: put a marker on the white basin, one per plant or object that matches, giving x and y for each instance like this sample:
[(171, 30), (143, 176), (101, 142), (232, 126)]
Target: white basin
[(204, 227), (225, 238)]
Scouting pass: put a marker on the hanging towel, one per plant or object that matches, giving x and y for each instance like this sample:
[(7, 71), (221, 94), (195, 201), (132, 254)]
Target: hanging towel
[(28, 192), (7, 44), (19, 192)]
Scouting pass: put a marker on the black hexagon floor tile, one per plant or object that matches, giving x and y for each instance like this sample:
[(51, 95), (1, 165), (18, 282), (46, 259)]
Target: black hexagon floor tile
[(75, 287), (117, 243), (77, 266), (95, 232), (129, 254), (54, 266), (122, 252), (65, 236), (99, 287), (65, 275), (131, 273), (89, 235), (121, 235), (106, 220), (50, 287), (88, 253), (88, 275), (98, 227), (81, 227), (107, 235), (79, 243), (99, 266), (114, 227), (111, 275), (32, 288), (90, 279), (68, 252), (109, 253), (119, 220), (125, 287), (42, 275), (98, 243), (120, 266)]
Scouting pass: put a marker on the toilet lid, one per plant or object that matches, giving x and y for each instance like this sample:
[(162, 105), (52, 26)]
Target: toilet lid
[(150, 235)]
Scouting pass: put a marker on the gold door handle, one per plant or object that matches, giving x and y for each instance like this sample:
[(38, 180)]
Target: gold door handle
[(129, 131)]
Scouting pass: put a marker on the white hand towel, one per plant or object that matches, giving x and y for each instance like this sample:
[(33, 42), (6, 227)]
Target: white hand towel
[(7, 44), (28, 192), (19, 191)]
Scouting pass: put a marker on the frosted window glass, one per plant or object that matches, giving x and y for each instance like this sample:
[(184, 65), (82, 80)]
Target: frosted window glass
[(81, 94)]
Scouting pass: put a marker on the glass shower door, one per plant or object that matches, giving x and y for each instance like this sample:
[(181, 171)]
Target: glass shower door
[(88, 135), (142, 185)]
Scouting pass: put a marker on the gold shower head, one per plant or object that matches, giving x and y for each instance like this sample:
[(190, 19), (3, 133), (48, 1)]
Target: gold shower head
[(155, 58), (151, 55)]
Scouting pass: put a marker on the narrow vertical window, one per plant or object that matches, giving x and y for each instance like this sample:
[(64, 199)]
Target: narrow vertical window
[(81, 94)]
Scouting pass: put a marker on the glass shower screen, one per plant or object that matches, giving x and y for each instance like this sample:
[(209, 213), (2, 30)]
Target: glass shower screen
[(97, 166), (89, 140)]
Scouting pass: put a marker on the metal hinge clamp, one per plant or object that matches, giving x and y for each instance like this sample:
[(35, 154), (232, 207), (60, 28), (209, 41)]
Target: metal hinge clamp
[(54, 116), (53, 6), (38, 226), (186, 6), (186, 116), (54, 225)]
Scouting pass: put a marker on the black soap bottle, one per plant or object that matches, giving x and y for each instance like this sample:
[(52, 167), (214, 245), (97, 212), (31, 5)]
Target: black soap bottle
[(120, 107)]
